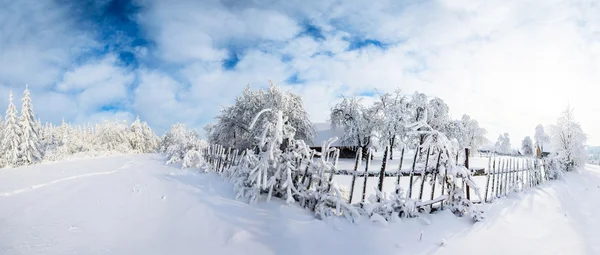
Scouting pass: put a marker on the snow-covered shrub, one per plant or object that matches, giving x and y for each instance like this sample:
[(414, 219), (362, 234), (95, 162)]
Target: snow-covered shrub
[(192, 159), (450, 174), (275, 170), (391, 208), (553, 168), (271, 169), (180, 142), (457, 199)]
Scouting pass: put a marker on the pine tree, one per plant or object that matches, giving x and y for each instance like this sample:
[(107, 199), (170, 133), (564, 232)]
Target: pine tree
[(29, 146), (11, 136), (136, 137)]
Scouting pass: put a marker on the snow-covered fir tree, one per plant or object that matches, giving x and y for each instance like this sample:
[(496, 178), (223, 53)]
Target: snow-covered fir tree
[(136, 136), (11, 136), (29, 142)]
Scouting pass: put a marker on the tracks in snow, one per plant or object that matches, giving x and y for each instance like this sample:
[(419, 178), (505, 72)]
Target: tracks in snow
[(34, 187)]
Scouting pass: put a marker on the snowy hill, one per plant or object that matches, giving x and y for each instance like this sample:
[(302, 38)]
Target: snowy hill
[(137, 205)]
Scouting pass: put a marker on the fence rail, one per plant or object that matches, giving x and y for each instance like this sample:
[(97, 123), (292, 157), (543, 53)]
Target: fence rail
[(502, 177)]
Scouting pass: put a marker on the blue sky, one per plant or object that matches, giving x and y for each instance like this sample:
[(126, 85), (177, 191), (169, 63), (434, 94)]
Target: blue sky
[(509, 64)]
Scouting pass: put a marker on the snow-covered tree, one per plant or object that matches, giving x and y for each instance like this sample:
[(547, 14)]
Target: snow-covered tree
[(357, 120), (113, 137), (151, 140), (541, 138), (141, 137), (527, 146), (568, 141), (503, 144), (136, 136), (231, 129), (467, 132), (29, 146), (419, 107), (395, 110), (437, 114), (11, 136)]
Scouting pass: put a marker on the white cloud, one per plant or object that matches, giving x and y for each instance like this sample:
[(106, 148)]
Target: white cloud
[(97, 83), (99, 73), (510, 64), (38, 41), (157, 101)]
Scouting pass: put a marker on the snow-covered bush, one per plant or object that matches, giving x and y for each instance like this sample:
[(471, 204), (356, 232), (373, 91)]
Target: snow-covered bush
[(179, 144), (192, 159), (391, 208), (450, 173), (276, 170), (271, 169)]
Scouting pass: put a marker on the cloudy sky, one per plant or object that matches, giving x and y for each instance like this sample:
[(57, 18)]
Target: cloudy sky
[(511, 64)]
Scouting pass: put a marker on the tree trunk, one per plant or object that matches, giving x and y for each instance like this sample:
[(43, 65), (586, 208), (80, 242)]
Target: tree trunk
[(392, 141)]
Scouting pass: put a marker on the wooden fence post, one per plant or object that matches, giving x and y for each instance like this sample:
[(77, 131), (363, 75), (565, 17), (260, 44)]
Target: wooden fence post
[(412, 172), (366, 175), (510, 175), (435, 174), (506, 171), (467, 188), (529, 173), (424, 174), (444, 182), (336, 156), (306, 173), (382, 171), (400, 166), (356, 166), (515, 186), (493, 169), (487, 181), (500, 178)]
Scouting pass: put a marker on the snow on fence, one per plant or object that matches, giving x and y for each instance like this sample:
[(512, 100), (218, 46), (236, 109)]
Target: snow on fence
[(503, 175)]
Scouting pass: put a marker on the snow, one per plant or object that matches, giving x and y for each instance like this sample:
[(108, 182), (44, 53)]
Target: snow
[(134, 204), (324, 132)]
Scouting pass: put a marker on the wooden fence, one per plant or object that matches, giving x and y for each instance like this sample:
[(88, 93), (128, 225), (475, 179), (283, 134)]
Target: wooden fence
[(502, 176)]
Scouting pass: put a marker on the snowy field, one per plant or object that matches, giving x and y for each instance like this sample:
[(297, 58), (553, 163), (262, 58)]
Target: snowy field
[(137, 205)]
